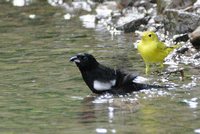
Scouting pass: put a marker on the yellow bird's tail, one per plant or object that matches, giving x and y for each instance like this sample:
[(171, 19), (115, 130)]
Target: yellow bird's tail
[(170, 49)]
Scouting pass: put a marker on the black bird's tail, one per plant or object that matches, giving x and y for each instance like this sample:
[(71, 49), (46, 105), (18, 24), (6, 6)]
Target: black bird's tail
[(141, 86), (130, 85)]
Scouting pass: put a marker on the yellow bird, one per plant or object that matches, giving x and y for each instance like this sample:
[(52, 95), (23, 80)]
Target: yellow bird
[(152, 50)]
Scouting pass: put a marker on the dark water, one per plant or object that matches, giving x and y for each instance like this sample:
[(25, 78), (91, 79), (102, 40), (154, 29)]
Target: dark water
[(42, 92)]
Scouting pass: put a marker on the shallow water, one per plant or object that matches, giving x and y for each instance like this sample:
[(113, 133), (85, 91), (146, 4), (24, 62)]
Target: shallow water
[(42, 92)]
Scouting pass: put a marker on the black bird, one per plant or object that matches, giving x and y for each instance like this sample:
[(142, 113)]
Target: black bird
[(101, 79)]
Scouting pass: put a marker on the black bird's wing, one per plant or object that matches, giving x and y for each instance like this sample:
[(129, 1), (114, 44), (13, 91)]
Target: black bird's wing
[(104, 74), (100, 79)]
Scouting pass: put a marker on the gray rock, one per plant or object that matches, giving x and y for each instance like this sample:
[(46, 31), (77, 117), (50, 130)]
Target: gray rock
[(182, 50), (179, 16), (133, 25), (173, 4), (180, 4), (197, 4), (181, 38), (162, 5), (178, 21), (195, 38)]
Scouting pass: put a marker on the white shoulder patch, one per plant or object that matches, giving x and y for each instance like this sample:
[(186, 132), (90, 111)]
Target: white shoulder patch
[(140, 79), (100, 86)]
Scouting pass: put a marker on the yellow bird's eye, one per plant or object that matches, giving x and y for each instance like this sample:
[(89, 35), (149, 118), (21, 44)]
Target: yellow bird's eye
[(149, 35)]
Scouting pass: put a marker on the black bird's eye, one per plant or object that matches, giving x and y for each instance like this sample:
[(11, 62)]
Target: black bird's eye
[(85, 58), (149, 35)]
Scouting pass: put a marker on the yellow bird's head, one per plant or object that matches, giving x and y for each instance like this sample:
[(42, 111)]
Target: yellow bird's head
[(149, 36)]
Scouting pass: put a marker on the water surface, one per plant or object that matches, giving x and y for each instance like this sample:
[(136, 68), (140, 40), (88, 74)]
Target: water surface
[(42, 92)]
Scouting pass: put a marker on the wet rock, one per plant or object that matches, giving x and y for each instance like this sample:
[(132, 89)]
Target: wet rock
[(181, 37), (72, 7), (105, 9), (55, 2), (131, 14), (182, 50), (195, 38), (132, 18), (123, 15), (197, 56), (143, 3), (133, 25), (82, 5)]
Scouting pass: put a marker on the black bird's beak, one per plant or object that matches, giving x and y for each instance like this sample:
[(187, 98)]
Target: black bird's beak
[(74, 59)]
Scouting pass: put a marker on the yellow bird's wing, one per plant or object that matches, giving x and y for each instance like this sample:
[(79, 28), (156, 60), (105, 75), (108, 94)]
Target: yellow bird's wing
[(162, 47)]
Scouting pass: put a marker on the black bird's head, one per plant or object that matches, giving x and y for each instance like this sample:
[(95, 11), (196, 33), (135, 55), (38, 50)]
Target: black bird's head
[(84, 61)]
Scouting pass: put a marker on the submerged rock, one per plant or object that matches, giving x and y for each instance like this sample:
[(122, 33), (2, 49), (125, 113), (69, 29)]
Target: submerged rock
[(131, 105)]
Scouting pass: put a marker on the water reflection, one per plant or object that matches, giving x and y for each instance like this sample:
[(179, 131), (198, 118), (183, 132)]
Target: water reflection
[(67, 16), (110, 114), (193, 103), (197, 131), (32, 16), (21, 3), (101, 130), (105, 111), (88, 21)]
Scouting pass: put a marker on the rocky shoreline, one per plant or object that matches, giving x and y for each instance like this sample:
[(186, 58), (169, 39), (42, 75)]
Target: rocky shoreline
[(163, 16), (174, 21)]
